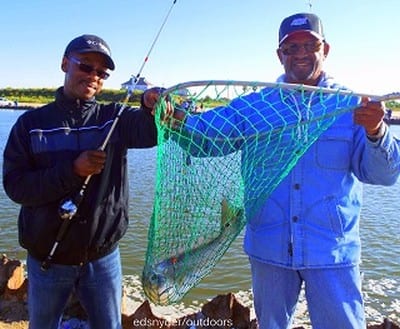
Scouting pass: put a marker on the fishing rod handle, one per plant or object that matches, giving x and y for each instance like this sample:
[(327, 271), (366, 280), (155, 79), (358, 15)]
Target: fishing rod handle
[(60, 235), (46, 263)]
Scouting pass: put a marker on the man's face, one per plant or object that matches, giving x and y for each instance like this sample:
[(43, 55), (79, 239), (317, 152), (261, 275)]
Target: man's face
[(84, 75), (302, 56)]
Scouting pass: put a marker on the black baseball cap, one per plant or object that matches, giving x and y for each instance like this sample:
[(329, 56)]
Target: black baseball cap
[(302, 22), (89, 43)]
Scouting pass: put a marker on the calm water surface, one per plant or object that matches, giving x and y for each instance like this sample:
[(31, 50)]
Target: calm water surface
[(380, 229)]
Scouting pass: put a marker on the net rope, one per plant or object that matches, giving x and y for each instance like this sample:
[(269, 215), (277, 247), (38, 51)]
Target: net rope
[(215, 170)]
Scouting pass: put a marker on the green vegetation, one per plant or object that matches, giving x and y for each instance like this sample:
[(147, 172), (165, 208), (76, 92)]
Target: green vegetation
[(395, 106), (46, 95)]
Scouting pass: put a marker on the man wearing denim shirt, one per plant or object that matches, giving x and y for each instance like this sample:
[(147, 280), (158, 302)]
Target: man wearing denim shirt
[(307, 231)]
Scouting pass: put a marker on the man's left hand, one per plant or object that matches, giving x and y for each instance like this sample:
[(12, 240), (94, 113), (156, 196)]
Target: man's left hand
[(370, 115)]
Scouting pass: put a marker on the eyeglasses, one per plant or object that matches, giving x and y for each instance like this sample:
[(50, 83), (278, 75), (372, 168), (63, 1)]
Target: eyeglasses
[(289, 49), (89, 68)]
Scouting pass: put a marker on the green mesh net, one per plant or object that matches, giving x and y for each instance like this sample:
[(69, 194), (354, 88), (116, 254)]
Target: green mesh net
[(215, 170)]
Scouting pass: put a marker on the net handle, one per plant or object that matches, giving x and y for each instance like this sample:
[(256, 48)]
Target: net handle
[(386, 97)]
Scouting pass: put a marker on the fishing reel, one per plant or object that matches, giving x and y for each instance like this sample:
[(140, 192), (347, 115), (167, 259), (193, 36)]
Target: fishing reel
[(67, 209), (69, 206)]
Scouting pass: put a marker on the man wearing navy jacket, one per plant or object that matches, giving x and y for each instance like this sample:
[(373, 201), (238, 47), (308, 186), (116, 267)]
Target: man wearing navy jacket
[(49, 154)]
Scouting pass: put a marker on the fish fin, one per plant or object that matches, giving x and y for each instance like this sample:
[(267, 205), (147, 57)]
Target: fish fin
[(227, 213)]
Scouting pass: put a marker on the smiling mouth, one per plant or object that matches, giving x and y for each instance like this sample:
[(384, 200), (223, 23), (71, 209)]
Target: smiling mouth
[(301, 63), (90, 85)]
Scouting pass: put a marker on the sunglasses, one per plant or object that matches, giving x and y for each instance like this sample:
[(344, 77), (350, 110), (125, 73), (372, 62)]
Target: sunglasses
[(289, 49), (89, 68)]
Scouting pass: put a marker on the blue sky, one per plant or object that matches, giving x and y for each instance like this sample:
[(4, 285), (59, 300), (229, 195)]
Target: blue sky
[(202, 39)]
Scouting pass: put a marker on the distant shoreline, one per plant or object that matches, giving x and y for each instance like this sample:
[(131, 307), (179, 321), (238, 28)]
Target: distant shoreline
[(23, 106), (394, 120)]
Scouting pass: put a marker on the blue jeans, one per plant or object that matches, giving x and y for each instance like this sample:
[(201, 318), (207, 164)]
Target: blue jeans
[(98, 285), (333, 296)]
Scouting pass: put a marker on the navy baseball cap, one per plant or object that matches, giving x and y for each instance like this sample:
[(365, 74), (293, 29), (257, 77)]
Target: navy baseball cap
[(302, 22), (89, 43)]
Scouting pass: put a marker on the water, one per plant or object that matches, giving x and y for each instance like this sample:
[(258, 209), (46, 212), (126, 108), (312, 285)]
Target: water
[(380, 233)]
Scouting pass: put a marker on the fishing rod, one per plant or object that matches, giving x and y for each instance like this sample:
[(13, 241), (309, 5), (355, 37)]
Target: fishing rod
[(310, 5), (69, 206)]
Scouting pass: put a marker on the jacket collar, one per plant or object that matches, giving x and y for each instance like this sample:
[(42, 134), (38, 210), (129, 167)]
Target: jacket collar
[(325, 81), (76, 105)]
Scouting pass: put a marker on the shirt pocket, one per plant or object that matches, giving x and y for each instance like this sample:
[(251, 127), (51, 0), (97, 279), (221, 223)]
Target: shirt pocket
[(270, 215), (325, 218), (334, 147)]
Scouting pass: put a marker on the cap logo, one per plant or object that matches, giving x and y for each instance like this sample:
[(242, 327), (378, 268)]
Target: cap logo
[(98, 44), (299, 21)]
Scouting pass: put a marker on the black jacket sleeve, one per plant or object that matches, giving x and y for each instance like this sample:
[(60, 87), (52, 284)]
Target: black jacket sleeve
[(138, 128), (27, 184)]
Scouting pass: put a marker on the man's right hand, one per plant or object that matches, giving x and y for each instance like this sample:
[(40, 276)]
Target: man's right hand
[(170, 115), (173, 117), (89, 163), (150, 97)]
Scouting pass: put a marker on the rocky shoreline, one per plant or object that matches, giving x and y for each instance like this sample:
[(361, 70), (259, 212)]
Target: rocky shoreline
[(223, 311)]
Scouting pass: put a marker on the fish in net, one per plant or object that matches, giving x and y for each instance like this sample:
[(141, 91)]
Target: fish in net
[(216, 169)]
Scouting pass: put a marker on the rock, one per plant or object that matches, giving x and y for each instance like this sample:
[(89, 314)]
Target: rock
[(19, 294), (222, 312), (74, 309), (226, 312), (253, 324), (387, 324), (143, 318), (11, 274), (189, 321), (12, 311)]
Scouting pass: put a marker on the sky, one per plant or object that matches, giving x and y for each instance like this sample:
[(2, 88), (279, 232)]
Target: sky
[(201, 40)]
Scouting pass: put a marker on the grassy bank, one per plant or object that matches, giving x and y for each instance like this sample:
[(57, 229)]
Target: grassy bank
[(46, 95), (42, 96)]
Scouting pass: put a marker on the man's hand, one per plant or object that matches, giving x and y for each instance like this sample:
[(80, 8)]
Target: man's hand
[(89, 163), (173, 117), (169, 116), (150, 98), (370, 115)]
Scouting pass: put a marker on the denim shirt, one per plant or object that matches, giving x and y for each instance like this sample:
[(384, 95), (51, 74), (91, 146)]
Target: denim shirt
[(311, 219)]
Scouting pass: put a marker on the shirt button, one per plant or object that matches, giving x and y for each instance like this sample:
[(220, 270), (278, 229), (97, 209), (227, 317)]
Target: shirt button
[(296, 186), (295, 219)]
